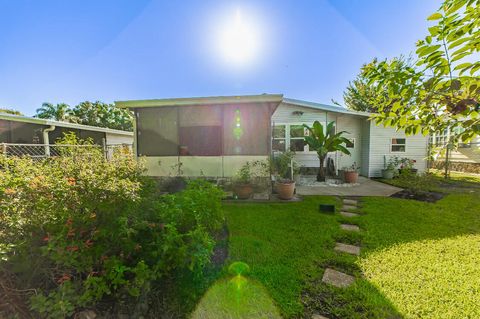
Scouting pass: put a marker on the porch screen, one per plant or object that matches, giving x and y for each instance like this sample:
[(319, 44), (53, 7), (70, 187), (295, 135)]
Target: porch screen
[(157, 132), (200, 130), (246, 129)]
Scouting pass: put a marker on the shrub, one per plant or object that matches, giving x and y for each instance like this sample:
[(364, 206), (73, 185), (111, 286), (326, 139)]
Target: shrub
[(416, 183), (78, 228)]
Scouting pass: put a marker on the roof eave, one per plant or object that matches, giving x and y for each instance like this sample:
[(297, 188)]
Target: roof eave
[(215, 100)]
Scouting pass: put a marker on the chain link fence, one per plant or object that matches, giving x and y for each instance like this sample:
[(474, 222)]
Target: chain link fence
[(41, 151)]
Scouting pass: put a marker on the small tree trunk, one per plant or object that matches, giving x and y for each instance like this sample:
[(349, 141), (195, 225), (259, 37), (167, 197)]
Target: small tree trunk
[(321, 170)]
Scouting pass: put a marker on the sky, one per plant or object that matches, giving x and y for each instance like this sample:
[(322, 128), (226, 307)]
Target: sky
[(71, 51)]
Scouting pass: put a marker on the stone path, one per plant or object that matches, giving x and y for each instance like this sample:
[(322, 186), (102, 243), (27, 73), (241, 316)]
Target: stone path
[(349, 249), (350, 227), (347, 214), (334, 277), (337, 278)]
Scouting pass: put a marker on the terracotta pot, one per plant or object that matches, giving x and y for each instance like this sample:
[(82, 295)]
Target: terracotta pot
[(350, 177), (285, 190), (243, 191)]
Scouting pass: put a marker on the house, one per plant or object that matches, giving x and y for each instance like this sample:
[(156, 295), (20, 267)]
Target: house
[(27, 130), (215, 136)]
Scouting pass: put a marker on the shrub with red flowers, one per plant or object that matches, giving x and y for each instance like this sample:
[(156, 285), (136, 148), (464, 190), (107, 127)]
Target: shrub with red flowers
[(76, 229)]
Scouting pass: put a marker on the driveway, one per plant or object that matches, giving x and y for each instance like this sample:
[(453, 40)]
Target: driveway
[(365, 187)]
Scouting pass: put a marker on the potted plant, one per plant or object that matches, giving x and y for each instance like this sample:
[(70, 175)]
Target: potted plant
[(350, 174), (389, 170), (243, 180), (407, 166), (284, 168), (325, 141)]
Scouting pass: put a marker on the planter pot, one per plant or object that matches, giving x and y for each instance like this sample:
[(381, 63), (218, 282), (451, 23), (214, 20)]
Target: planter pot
[(350, 177), (388, 173), (243, 191), (285, 190)]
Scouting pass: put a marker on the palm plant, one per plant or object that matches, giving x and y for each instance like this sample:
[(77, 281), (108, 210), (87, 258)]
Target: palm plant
[(324, 143), (59, 112)]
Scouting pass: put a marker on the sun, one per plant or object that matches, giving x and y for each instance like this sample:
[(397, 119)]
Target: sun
[(238, 40)]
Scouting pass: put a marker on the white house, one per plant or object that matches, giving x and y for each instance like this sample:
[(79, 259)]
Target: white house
[(215, 136)]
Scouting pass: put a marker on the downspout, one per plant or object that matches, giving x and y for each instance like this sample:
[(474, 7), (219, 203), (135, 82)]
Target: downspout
[(46, 139)]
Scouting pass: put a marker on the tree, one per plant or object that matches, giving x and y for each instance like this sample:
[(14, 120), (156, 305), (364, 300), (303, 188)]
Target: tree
[(324, 143), (10, 111), (443, 90), (103, 115), (58, 112), (360, 96)]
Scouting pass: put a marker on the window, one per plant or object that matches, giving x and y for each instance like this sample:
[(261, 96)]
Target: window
[(200, 131), (350, 143), (279, 140), (297, 143), (398, 145)]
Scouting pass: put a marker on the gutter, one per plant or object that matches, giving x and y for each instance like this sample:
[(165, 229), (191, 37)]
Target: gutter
[(46, 139)]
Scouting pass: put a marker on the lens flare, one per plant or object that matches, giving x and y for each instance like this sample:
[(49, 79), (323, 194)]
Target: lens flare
[(238, 40)]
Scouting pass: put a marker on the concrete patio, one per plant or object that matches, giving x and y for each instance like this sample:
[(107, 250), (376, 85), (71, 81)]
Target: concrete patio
[(365, 187)]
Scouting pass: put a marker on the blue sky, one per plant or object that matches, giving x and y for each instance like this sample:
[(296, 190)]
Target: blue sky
[(71, 51)]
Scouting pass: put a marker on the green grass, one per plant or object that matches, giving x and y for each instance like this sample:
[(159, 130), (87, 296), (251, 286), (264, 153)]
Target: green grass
[(236, 297), (424, 257), (288, 246), (419, 260)]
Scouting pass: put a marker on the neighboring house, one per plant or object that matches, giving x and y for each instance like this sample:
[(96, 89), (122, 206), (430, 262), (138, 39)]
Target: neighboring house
[(27, 130), (215, 136), (464, 153)]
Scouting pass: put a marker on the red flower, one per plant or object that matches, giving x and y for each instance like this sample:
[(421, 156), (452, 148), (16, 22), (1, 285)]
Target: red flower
[(65, 277), (72, 248), (71, 181), (88, 243), (46, 238)]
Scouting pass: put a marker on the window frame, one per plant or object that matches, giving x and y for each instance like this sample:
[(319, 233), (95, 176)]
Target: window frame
[(284, 138), (287, 137), (404, 144)]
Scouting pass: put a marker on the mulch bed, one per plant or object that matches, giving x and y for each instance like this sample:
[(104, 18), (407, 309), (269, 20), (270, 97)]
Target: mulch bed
[(220, 251), (430, 197)]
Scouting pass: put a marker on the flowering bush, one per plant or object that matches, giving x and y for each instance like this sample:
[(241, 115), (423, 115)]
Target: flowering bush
[(77, 228)]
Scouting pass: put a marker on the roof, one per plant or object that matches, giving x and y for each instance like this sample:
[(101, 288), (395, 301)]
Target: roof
[(262, 98), (324, 107), (34, 120), (278, 98)]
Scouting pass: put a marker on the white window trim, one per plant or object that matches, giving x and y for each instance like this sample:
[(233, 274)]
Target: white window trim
[(391, 145), (287, 137)]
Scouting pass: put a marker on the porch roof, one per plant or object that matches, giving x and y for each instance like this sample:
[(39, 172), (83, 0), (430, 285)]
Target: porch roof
[(212, 100)]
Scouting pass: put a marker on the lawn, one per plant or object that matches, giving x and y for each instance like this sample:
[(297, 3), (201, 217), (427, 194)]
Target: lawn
[(418, 259)]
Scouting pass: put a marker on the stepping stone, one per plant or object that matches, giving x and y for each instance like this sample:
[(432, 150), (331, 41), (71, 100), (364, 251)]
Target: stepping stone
[(349, 249), (350, 227), (350, 201), (349, 207), (316, 316), (347, 214), (337, 278)]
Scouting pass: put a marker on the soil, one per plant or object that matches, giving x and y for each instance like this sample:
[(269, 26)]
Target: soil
[(430, 197), (220, 252)]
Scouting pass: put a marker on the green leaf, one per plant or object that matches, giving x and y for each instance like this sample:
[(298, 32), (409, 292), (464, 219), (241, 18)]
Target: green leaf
[(435, 16)]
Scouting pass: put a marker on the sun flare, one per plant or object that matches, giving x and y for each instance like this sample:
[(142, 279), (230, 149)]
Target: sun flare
[(238, 40)]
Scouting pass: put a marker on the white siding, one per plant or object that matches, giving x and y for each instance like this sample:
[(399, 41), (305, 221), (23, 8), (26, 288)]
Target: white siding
[(365, 144), (113, 139), (380, 148), (285, 114)]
